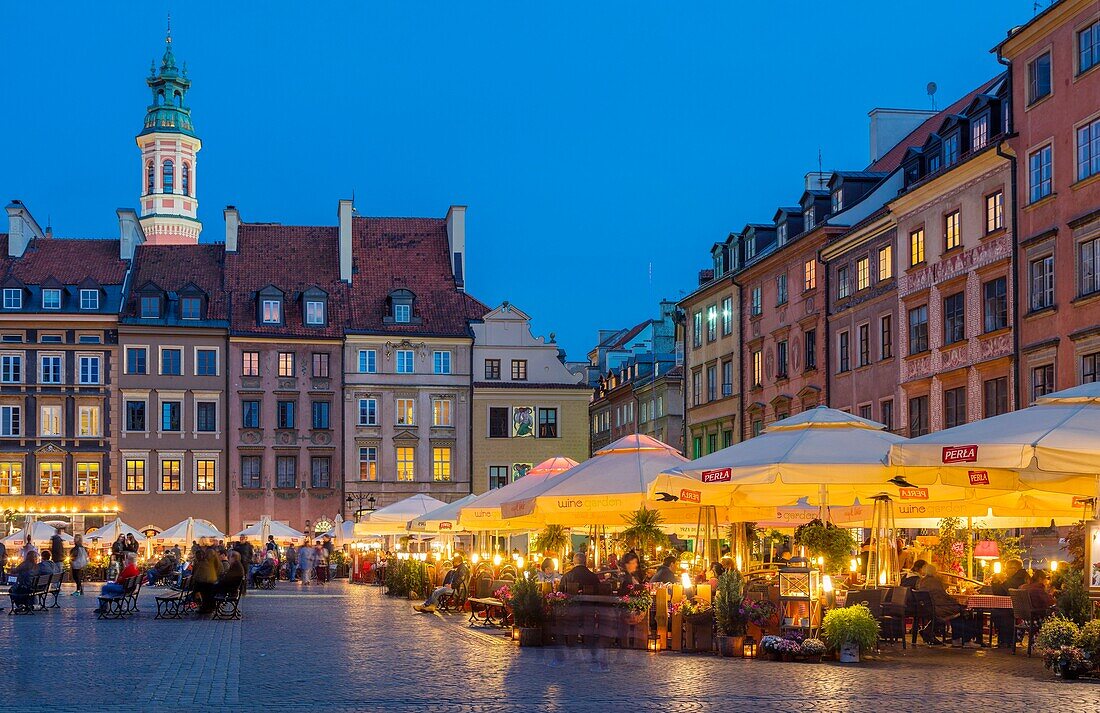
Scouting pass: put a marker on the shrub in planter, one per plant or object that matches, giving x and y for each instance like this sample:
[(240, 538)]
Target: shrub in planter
[(1089, 640), (528, 606), (851, 631), (1073, 597), (637, 600), (729, 616), (770, 646), (813, 649), (1056, 632)]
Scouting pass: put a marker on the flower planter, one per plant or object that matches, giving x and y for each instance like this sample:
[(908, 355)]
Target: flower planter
[(731, 646), (849, 653), (812, 658), (529, 636), (699, 633)]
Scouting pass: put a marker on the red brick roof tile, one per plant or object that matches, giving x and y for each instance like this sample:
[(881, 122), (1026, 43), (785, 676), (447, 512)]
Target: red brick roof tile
[(70, 261), (293, 259), (173, 267), (892, 158), (412, 254)]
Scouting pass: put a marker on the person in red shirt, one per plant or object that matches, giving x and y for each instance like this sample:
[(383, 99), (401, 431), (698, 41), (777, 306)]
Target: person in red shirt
[(1041, 598), (129, 570)]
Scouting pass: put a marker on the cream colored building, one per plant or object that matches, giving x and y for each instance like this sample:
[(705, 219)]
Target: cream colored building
[(527, 406)]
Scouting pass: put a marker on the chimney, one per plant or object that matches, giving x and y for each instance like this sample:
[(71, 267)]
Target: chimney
[(22, 228), (456, 242), (890, 126), (344, 212), (130, 233), (817, 180), (232, 225)]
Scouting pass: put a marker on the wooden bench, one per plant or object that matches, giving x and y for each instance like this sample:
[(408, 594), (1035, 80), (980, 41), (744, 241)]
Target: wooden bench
[(117, 606), (488, 610), (227, 605), (178, 603), (37, 591), (53, 589)]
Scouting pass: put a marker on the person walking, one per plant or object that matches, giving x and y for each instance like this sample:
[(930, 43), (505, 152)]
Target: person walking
[(57, 546), (78, 561), (305, 563), (291, 562)]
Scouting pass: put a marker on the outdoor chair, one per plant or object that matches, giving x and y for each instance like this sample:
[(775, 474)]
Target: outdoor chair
[(53, 589), (489, 610), (118, 606), (892, 621), (457, 599), (38, 587), (1028, 618), (871, 598), (227, 605), (925, 618), (176, 604)]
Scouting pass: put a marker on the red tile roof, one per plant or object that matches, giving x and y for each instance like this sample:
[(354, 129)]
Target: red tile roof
[(173, 267), (70, 261), (293, 259), (412, 254), (892, 158)]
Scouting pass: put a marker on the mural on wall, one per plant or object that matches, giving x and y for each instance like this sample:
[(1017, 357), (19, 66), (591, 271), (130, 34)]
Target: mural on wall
[(523, 421), (519, 470)]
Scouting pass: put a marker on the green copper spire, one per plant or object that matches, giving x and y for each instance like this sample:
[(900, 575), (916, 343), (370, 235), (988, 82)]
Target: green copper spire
[(169, 110)]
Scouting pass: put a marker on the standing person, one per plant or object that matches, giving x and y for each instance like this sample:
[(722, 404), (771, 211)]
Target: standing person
[(272, 546), (305, 563), (118, 547), (78, 561), (28, 546), (244, 547), (57, 546), (328, 545), (291, 562), (131, 543)]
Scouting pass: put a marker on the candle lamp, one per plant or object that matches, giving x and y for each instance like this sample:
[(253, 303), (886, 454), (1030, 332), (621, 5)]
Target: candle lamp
[(748, 649)]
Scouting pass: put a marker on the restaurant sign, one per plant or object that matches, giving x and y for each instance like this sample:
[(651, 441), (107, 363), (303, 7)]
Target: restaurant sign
[(720, 475), (690, 496), (978, 477), (960, 454), (913, 493), (445, 525)]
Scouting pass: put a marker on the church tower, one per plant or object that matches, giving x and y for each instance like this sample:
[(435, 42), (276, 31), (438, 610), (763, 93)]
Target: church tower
[(169, 151)]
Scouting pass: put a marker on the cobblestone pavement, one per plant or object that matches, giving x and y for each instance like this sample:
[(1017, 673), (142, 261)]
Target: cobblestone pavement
[(343, 647)]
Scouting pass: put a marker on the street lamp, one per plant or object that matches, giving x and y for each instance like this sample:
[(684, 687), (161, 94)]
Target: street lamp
[(358, 499)]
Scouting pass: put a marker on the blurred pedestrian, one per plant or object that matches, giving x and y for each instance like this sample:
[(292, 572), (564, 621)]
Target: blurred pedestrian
[(78, 561)]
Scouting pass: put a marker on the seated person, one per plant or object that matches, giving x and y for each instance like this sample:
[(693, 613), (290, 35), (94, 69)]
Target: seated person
[(164, 567), (451, 581), (25, 576), (947, 609), (47, 565), (912, 578), (1042, 601), (546, 573), (629, 573), (579, 576), (264, 570), (129, 570), (664, 573), (1015, 576), (232, 578)]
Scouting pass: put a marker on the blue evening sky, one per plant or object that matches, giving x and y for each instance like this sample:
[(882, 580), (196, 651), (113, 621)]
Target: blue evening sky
[(602, 147)]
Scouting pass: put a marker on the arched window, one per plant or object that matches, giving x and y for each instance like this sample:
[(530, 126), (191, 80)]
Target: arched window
[(169, 178), (178, 98), (151, 178), (160, 98), (185, 179)]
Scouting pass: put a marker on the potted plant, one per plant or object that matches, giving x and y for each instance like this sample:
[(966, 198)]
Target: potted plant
[(770, 647), (850, 631), (833, 543), (553, 540), (1089, 640), (528, 610), (1067, 662), (643, 531), (636, 602), (789, 646), (729, 616), (698, 625), (813, 650), (759, 615)]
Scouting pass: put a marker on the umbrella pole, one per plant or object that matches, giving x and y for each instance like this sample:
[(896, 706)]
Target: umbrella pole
[(969, 547)]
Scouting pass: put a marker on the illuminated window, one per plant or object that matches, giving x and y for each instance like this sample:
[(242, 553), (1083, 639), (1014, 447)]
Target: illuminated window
[(87, 478), (49, 479), (916, 247), (170, 476), (441, 412), (951, 237), (809, 275), (441, 463), (11, 478), (863, 273), (250, 363), (88, 422), (286, 364), (406, 412), (49, 420), (757, 368), (886, 262), (368, 463), (135, 475), (405, 463), (994, 212), (205, 476)]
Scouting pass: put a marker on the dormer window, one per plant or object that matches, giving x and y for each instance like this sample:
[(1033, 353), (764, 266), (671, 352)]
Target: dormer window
[(150, 307), (399, 308), (272, 312), (51, 299), (89, 299), (315, 313), (13, 298), (934, 160), (191, 308), (951, 149), (808, 217), (979, 132), (838, 200), (781, 234), (402, 313)]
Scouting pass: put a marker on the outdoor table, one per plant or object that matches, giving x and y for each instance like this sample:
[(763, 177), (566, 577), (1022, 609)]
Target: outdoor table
[(985, 605)]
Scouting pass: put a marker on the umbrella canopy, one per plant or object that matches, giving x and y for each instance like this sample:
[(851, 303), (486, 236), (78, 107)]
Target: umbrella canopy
[(40, 532), (1053, 445), (483, 514), (188, 531), (394, 519), (601, 490), (346, 530), (820, 456), (337, 531), (111, 531), (266, 526), (444, 519), (552, 466)]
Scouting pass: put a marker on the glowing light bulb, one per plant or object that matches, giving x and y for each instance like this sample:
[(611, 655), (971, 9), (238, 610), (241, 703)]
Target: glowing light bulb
[(853, 565), (1054, 565), (997, 567), (475, 558), (556, 564), (519, 562), (685, 581), (827, 583), (496, 560), (882, 577)]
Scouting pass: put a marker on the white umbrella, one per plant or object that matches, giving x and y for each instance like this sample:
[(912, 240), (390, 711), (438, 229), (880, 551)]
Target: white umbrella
[(347, 531), (338, 532), (111, 531), (1053, 445), (602, 489), (188, 531), (40, 532), (266, 526), (394, 519), (444, 519)]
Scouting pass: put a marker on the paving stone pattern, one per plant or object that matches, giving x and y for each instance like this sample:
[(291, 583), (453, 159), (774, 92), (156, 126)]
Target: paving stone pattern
[(348, 648)]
